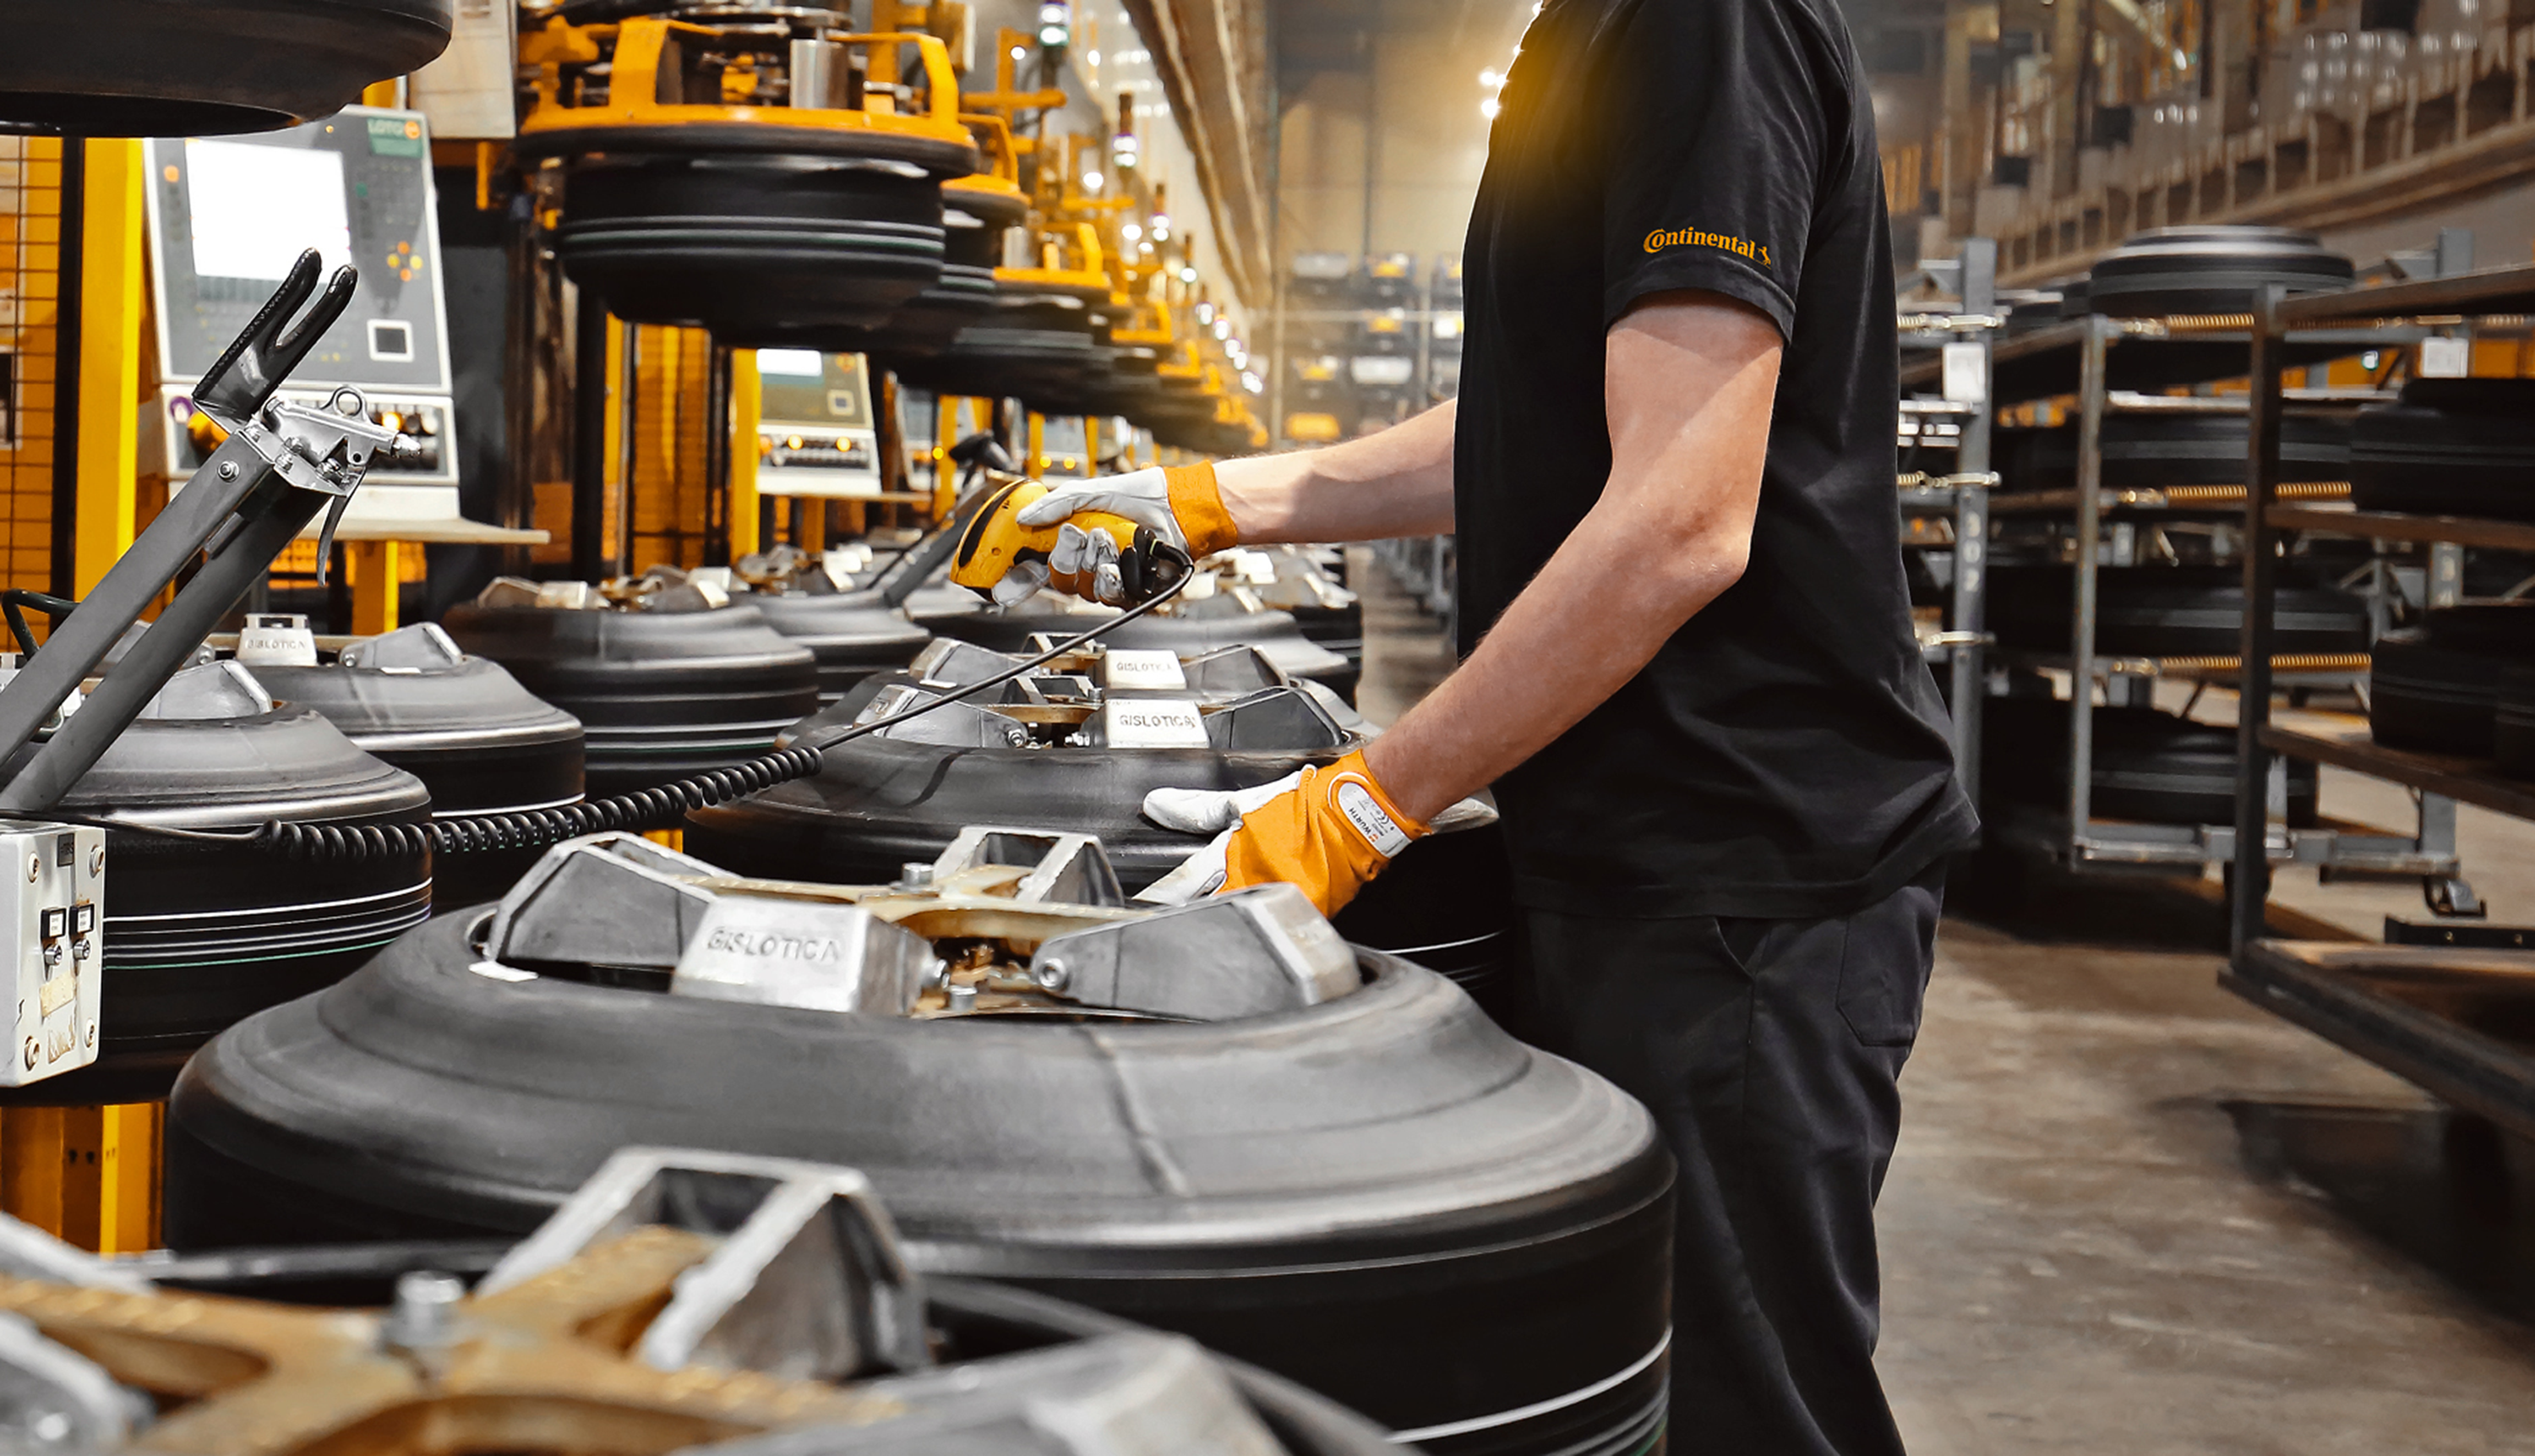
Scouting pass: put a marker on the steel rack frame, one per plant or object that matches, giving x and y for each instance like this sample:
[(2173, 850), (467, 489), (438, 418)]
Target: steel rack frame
[(2110, 365), (1960, 497), (2434, 1014)]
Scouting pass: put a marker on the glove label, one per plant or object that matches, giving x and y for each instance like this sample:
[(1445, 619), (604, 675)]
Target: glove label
[(1357, 802)]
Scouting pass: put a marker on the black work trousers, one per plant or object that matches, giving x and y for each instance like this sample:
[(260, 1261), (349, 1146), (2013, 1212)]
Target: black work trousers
[(1769, 1052)]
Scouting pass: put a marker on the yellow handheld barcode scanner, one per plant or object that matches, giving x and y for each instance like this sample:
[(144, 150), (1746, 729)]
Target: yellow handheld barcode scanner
[(995, 541)]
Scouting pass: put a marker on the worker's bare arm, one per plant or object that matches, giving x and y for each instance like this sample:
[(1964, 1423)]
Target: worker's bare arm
[(1396, 483), (1690, 378)]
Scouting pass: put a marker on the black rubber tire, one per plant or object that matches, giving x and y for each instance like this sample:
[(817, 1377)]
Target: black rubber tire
[(1381, 1198), (2168, 611), (197, 936), (749, 246), (2436, 687), (2210, 271), (880, 803), (978, 1319), (659, 695), (2451, 447), (2148, 452), (480, 742), (187, 68), (2148, 765), (852, 639), (1273, 633)]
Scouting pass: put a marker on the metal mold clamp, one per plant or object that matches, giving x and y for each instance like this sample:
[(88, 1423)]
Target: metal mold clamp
[(676, 1298)]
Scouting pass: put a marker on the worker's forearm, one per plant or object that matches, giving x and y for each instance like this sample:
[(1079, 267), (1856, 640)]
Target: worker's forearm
[(1593, 617), (1394, 482)]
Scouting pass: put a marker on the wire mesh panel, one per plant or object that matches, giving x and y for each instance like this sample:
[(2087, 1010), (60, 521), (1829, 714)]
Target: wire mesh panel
[(31, 341)]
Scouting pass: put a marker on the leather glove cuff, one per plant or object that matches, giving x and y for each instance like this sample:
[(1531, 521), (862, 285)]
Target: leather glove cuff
[(1197, 503)]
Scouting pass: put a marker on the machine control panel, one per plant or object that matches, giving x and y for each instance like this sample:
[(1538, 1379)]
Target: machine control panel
[(227, 217), (59, 874), (813, 426)]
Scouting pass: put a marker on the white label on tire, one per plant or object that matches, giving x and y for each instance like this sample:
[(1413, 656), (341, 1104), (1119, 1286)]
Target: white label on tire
[(1155, 723)]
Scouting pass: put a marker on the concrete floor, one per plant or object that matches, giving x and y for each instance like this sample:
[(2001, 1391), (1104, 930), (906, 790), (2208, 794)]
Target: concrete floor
[(2132, 1214)]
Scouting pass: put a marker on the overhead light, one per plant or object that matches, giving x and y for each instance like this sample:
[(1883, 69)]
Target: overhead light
[(1054, 23), (1491, 78), (1253, 382), (1188, 275), (1094, 58), (1489, 108), (1131, 231), (1223, 328), (1145, 248), (1206, 313), (1092, 182), (1020, 54)]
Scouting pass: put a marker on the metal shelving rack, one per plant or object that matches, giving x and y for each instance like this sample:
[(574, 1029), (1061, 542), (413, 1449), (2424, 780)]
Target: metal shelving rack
[(2109, 364), (2435, 1009), (1960, 496)]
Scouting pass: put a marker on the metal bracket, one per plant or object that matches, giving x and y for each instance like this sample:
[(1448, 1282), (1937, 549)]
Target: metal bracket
[(1253, 952), (808, 1281)]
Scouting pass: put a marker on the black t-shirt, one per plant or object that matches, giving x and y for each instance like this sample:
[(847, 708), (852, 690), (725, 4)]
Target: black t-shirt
[(1786, 753)]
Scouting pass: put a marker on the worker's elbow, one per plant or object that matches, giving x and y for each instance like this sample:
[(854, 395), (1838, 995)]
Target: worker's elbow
[(1707, 559)]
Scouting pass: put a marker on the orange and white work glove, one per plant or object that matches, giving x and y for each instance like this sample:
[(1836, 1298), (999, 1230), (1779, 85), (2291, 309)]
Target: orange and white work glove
[(1327, 831), (1179, 503)]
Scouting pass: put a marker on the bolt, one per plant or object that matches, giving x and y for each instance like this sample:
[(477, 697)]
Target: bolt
[(1052, 973), (424, 1315), (229, 470), (34, 867), (962, 998), (92, 1034), (96, 861), (914, 874), (31, 1053)]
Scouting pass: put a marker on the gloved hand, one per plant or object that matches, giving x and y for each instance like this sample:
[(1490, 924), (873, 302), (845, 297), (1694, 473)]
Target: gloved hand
[(1179, 503), (1089, 553), (1327, 831)]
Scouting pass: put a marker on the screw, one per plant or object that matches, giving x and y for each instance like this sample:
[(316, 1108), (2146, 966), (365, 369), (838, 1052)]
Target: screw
[(31, 1053), (92, 1034), (96, 861), (34, 867), (229, 470), (914, 874), (1052, 973), (424, 1315)]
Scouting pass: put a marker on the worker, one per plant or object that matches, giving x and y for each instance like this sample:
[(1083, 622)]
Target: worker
[(1688, 666)]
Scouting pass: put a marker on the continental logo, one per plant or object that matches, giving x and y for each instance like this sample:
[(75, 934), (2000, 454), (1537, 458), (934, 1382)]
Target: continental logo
[(1692, 237)]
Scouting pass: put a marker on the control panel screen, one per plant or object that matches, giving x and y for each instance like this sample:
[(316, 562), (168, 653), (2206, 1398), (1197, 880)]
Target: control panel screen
[(801, 386), (229, 215), (256, 208)]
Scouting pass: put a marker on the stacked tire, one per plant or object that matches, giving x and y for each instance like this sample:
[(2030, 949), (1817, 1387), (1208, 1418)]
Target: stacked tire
[(2448, 447), (2158, 611), (2148, 765), (2210, 271)]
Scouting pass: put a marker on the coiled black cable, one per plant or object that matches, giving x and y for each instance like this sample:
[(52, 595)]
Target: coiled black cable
[(528, 829)]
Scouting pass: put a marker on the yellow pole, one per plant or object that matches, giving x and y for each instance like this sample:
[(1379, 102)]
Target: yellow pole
[(109, 372), (377, 571), (747, 402), (1037, 464), (128, 1175)]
